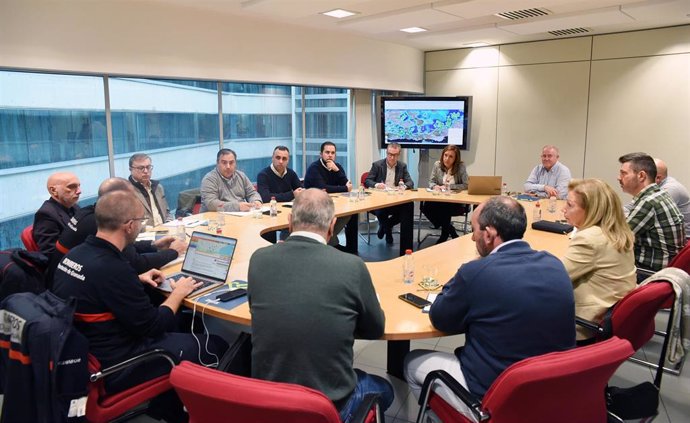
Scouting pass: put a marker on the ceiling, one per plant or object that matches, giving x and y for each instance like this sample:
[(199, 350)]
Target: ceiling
[(458, 23)]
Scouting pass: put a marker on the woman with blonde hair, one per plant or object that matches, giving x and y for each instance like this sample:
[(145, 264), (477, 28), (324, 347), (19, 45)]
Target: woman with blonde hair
[(448, 171), (600, 258)]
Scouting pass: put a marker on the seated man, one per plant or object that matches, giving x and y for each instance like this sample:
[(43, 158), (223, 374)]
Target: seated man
[(387, 173), (149, 191), (550, 178), (227, 189), (142, 255), (278, 180), (49, 221), (654, 218), (676, 190), (326, 174), (304, 322), (115, 314), (511, 304)]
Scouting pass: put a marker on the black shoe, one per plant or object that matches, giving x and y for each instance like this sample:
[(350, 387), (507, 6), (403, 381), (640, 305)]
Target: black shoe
[(389, 237), (381, 231), (443, 237), (452, 232)]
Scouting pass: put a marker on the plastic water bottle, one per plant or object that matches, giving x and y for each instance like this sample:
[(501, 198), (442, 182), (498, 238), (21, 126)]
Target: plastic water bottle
[(401, 187), (360, 193), (274, 207), (505, 190), (408, 268), (536, 217), (180, 230)]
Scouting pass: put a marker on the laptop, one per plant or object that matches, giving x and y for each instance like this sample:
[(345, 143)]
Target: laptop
[(484, 185), (207, 260)]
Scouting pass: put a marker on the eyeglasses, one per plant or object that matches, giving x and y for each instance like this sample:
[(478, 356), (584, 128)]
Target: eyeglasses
[(142, 168)]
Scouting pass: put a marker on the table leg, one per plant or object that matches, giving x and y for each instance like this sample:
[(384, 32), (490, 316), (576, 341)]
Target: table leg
[(351, 235), (406, 227), (396, 358)]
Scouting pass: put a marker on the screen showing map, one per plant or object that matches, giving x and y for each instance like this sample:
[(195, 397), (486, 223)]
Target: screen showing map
[(420, 122), (209, 255)]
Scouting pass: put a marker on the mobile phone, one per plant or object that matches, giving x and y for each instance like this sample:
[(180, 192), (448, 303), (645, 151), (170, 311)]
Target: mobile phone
[(231, 295), (416, 301)]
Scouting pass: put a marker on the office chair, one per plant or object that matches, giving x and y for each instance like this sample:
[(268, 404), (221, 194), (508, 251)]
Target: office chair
[(421, 218), (27, 237), (564, 387), (632, 318), (682, 259), (102, 407), (370, 219), (211, 396)]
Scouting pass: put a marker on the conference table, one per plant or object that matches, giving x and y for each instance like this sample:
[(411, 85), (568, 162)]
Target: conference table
[(403, 321)]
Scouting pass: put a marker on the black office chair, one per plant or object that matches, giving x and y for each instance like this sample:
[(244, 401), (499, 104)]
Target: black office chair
[(465, 227)]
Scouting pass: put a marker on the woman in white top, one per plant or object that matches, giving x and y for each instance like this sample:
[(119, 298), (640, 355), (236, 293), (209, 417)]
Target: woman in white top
[(600, 258), (448, 172)]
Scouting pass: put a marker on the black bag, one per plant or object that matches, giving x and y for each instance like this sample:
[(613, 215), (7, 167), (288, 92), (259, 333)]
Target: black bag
[(555, 227), (636, 402), (238, 358)]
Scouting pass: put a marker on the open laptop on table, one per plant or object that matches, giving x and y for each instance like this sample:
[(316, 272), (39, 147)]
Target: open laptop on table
[(484, 185), (207, 260)]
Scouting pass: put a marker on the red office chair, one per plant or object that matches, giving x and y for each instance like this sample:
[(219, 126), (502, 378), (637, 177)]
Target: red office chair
[(564, 387), (211, 396), (27, 237), (103, 407), (632, 318), (682, 259)]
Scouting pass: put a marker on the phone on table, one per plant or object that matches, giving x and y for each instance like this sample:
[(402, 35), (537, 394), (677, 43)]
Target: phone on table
[(415, 300), (231, 295)]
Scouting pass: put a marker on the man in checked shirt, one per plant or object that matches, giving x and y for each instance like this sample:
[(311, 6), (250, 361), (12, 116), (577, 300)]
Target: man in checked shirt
[(654, 218)]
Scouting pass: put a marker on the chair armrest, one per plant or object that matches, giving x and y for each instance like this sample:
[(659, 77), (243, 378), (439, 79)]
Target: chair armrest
[(589, 325), (368, 402), (141, 358), (472, 402)]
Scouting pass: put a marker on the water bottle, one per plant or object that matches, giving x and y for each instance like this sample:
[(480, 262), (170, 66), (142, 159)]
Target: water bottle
[(180, 231), (536, 217), (505, 190), (274, 207), (360, 193), (553, 202), (401, 187), (408, 268)]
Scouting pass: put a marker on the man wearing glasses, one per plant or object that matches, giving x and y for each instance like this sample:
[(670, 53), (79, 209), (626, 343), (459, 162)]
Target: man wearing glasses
[(148, 191)]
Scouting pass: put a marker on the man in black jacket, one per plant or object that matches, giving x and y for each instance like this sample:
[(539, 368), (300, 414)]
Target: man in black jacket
[(49, 221)]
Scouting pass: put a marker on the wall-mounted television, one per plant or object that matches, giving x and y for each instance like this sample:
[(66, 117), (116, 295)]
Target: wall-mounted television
[(426, 122)]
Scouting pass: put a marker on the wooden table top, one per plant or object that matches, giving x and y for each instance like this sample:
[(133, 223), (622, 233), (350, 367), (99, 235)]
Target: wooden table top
[(403, 321)]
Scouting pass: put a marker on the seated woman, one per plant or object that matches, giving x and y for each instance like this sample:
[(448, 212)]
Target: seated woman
[(600, 258), (450, 170)]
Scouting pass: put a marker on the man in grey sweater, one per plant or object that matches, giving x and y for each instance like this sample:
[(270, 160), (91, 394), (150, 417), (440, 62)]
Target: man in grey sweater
[(307, 303), (227, 189)]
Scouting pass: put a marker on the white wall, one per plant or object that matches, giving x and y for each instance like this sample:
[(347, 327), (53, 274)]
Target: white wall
[(596, 98), (171, 40)]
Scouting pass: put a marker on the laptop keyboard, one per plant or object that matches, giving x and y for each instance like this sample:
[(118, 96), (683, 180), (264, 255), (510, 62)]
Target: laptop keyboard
[(204, 282)]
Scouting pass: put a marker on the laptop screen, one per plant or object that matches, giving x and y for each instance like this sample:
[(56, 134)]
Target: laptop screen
[(209, 255)]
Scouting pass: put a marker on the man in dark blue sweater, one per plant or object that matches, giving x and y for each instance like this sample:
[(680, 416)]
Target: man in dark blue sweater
[(278, 180), (511, 304)]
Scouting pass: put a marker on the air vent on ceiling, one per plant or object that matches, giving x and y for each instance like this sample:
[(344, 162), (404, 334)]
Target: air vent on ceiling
[(523, 14), (569, 31)]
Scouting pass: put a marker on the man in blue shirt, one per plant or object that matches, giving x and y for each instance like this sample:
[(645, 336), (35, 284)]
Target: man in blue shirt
[(550, 178), (511, 304)]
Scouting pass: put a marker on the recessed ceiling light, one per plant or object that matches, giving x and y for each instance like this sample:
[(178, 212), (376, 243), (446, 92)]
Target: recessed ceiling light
[(413, 29), (476, 44), (339, 13)]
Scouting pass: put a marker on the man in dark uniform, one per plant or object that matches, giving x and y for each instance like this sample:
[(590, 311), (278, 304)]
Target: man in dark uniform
[(49, 221)]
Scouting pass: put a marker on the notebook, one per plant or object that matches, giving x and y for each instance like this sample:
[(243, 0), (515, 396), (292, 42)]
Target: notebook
[(485, 185), (207, 260)]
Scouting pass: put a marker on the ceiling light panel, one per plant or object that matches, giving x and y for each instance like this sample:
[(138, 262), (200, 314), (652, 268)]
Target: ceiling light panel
[(388, 22), (339, 13)]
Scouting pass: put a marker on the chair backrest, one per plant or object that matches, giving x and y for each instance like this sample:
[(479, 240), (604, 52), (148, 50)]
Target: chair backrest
[(27, 237), (682, 259), (363, 178), (633, 316), (212, 396), (562, 387)]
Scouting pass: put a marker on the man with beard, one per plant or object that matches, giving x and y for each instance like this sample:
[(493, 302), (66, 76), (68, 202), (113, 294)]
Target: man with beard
[(512, 303)]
